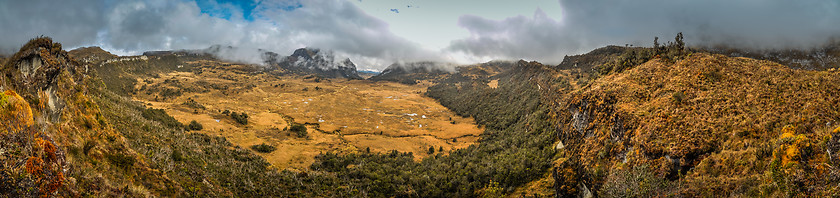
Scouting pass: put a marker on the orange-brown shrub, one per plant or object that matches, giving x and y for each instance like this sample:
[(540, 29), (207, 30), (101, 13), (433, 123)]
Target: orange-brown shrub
[(34, 165)]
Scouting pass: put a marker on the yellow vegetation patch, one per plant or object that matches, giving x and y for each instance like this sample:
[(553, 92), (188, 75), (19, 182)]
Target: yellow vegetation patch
[(14, 110), (493, 84), (790, 146)]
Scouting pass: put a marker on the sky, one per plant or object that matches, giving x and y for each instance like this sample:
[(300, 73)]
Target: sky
[(377, 33)]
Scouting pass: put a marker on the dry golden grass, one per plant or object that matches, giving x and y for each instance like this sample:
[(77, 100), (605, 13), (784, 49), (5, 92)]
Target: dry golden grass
[(714, 115), (344, 115), (493, 84)]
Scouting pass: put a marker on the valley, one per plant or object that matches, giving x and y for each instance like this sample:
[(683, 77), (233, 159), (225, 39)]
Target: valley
[(341, 115)]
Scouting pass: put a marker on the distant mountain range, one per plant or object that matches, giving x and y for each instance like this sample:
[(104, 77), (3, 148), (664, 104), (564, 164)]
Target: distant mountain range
[(409, 73), (819, 58), (301, 61)]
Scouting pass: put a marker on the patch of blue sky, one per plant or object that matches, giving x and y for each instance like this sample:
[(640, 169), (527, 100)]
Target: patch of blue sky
[(228, 9)]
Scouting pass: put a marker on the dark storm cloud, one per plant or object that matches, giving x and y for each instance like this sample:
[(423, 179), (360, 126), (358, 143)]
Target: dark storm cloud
[(586, 25), (76, 22)]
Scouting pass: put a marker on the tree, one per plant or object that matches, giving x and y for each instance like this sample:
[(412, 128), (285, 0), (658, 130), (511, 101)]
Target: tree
[(431, 150), (679, 42), (656, 48)]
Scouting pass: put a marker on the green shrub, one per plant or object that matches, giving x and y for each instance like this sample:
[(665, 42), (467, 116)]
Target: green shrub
[(240, 118), (88, 145), (299, 130), (176, 155), (629, 59), (672, 51), (161, 116), (713, 76), (193, 104), (195, 126), (678, 97), (170, 93), (121, 160), (263, 148)]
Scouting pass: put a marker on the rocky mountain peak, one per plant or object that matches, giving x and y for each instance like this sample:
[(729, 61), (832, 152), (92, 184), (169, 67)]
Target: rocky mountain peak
[(43, 74), (305, 53), (316, 61)]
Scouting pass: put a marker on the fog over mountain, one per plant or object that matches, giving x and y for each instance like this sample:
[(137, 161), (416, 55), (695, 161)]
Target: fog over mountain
[(359, 30), (588, 24)]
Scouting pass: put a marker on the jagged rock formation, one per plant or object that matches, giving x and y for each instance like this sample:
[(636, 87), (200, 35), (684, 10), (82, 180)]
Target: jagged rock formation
[(302, 61), (315, 61), (34, 73)]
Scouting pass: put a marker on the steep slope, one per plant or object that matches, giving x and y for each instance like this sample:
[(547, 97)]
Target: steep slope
[(56, 141), (704, 125)]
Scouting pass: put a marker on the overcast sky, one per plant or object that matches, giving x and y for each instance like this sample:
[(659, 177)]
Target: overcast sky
[(376, 33)]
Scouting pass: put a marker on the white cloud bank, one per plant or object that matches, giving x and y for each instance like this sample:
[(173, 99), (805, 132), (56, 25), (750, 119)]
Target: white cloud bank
[(134, 26), (590, 24)]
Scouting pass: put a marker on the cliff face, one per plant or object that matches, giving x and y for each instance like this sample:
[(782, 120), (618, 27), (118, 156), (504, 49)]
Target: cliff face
[(46, 77)]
